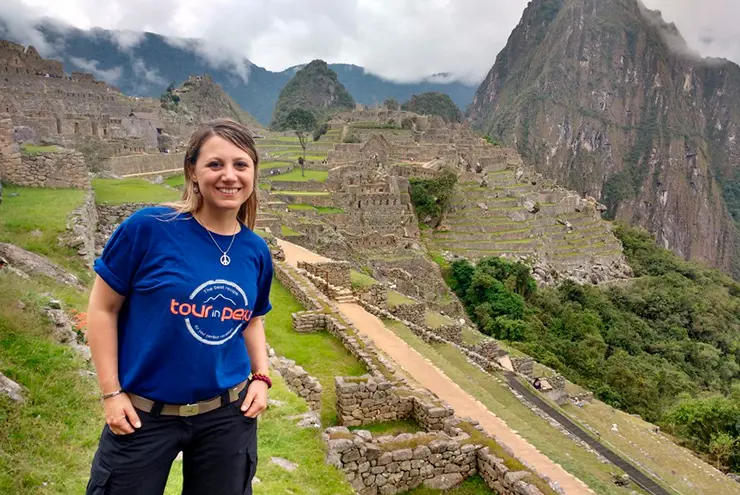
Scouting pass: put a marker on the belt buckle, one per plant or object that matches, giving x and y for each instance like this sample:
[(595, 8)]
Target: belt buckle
[(189, 410)]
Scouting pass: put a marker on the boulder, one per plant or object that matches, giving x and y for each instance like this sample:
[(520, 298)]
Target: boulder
[(11, 389)]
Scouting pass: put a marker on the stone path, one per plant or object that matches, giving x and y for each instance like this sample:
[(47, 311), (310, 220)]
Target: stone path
[(430, 377)]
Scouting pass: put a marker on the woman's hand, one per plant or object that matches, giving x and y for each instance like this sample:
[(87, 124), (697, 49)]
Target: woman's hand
[(256, 400), (121, 415)]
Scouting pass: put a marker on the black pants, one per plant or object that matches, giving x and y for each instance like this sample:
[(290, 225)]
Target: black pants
[(219, 454)]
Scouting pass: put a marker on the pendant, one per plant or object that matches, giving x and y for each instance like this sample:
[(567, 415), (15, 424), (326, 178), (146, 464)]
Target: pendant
[(225, 260)]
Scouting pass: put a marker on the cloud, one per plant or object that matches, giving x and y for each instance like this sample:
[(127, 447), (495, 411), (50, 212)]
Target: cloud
[(111, 76), (18, 21), (709, 27), (399, 40)]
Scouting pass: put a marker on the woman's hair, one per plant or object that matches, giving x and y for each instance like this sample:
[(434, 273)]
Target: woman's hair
[(238, 135)]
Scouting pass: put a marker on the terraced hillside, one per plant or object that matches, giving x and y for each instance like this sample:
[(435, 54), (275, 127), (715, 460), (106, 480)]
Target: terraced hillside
[(506, 215)]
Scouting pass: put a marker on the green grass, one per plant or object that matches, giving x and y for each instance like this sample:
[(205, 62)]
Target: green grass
[(360, 280), (36, 218), (287, 231), (391, 427), (294, 154), (471, 486), (119, 191), (499, 400), (273, 164), (295, 176), (321, 354), (279, 438), (437, 320), (176, 181), (397, 299), (301, 207), (32, 149), (46, 444), (471, 336), (302, 193)]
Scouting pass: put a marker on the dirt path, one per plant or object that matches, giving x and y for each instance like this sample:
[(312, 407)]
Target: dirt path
[(430, 377)]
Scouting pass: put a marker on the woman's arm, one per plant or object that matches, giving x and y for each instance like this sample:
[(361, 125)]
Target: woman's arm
[(254, 339), (102, 336)]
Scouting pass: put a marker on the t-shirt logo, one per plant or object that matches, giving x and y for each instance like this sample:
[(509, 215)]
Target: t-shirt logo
[(214, 312)]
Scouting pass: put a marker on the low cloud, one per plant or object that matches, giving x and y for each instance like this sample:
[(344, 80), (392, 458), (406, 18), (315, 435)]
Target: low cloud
[(111, 76), (397, 40)]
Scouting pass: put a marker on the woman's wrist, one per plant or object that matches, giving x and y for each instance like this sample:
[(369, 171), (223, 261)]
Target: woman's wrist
[(262, 377)]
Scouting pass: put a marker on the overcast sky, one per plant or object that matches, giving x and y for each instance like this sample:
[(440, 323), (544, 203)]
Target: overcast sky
[(402, 40)]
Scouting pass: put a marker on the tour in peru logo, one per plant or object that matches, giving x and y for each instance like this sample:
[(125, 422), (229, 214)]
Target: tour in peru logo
[(214, 312)]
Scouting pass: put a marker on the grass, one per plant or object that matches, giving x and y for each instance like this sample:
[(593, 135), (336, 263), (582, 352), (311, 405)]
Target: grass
[(273, 164), (360, 280), (471, 336), (34, 220), (301, 207), (279, 438), (176, 181), (32, 149), (322, 355), (46, 444), (287, 231), (391, 427), (471, 486), (302, 193), (296, 176), (436, 320), (323, 210), (397, 299), (119, 191), (499, 400)]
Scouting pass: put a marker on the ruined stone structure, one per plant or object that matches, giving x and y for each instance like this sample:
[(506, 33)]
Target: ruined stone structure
[(10, 155), (61, 168)]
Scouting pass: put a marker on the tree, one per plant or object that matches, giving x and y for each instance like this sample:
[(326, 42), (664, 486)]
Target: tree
[(391, 104), (302, 123)]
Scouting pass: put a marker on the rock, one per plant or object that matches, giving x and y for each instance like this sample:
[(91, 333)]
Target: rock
[(256, 481), (275, 403), (284, 463), (614, 427), (531, 206), (55, 304), (307, 420), (29, 262), (483, 206), (444, 481), (36, 233), (623, 480), (11, 389)]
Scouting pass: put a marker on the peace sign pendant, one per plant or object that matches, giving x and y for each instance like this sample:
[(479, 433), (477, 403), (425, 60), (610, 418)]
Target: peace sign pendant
[(225, 260)]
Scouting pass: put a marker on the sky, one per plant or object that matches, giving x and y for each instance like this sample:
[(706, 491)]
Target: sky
[(401, 40)]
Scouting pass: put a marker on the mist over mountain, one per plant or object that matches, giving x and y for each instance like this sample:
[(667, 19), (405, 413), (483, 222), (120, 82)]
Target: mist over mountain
[(144, 64)]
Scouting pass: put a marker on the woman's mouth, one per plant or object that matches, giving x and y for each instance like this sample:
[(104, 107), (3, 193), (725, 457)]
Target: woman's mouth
[(229, 191)]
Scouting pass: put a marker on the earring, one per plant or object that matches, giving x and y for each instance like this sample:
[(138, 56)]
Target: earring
[(196, 189)]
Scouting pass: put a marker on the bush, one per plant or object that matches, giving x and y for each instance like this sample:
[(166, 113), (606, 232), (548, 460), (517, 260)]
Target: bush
[(351, 138), (431, 197)]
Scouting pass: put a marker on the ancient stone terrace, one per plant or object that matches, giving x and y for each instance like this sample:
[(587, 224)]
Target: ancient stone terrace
[(506, 212)]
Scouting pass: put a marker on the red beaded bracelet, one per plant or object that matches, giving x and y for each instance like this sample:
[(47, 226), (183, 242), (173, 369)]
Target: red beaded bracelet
[(262, 378)]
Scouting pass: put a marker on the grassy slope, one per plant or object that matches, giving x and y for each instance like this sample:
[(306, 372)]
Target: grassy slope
[(295, 175), (36, 217), (119, 191), (320, 354), (501, 402)]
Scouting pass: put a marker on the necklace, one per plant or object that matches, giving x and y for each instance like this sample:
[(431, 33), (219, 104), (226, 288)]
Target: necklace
[(225, 259)]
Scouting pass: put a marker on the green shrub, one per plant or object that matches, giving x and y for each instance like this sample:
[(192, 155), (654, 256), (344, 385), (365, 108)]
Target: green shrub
[(431, 197)]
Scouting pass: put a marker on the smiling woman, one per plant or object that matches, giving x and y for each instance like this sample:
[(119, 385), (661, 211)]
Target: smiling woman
[(191, 332)]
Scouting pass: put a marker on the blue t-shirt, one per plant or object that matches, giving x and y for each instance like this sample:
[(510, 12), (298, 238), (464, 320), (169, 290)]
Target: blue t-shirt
[(180, 328)]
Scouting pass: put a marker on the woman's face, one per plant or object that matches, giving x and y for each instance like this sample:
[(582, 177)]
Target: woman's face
[(224, 174)]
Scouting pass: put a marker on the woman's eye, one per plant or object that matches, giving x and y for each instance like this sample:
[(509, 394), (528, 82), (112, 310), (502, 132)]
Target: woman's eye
[(242, 165), (214, 164)]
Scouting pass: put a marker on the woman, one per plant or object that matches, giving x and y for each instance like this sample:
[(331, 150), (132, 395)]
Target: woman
[(175, 329)]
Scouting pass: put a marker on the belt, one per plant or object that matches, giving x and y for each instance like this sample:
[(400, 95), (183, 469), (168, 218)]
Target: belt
[(185, 410)]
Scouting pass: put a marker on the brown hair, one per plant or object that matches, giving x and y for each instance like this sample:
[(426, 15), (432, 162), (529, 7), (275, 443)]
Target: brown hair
[(238, 135)]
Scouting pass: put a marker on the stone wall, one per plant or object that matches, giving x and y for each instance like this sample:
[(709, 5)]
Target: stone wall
[(81, 229), (144, 163), (334, 272), (63, 168), (308, 186), (415, 313), (299, 381), (110, 217), (10, 156), (376, 294), (438, 460), (324, 200)]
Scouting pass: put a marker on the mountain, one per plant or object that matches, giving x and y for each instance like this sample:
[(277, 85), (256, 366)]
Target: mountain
[(315, 88), (606, 98), (144, 64), (202, 99), (434, 103)]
